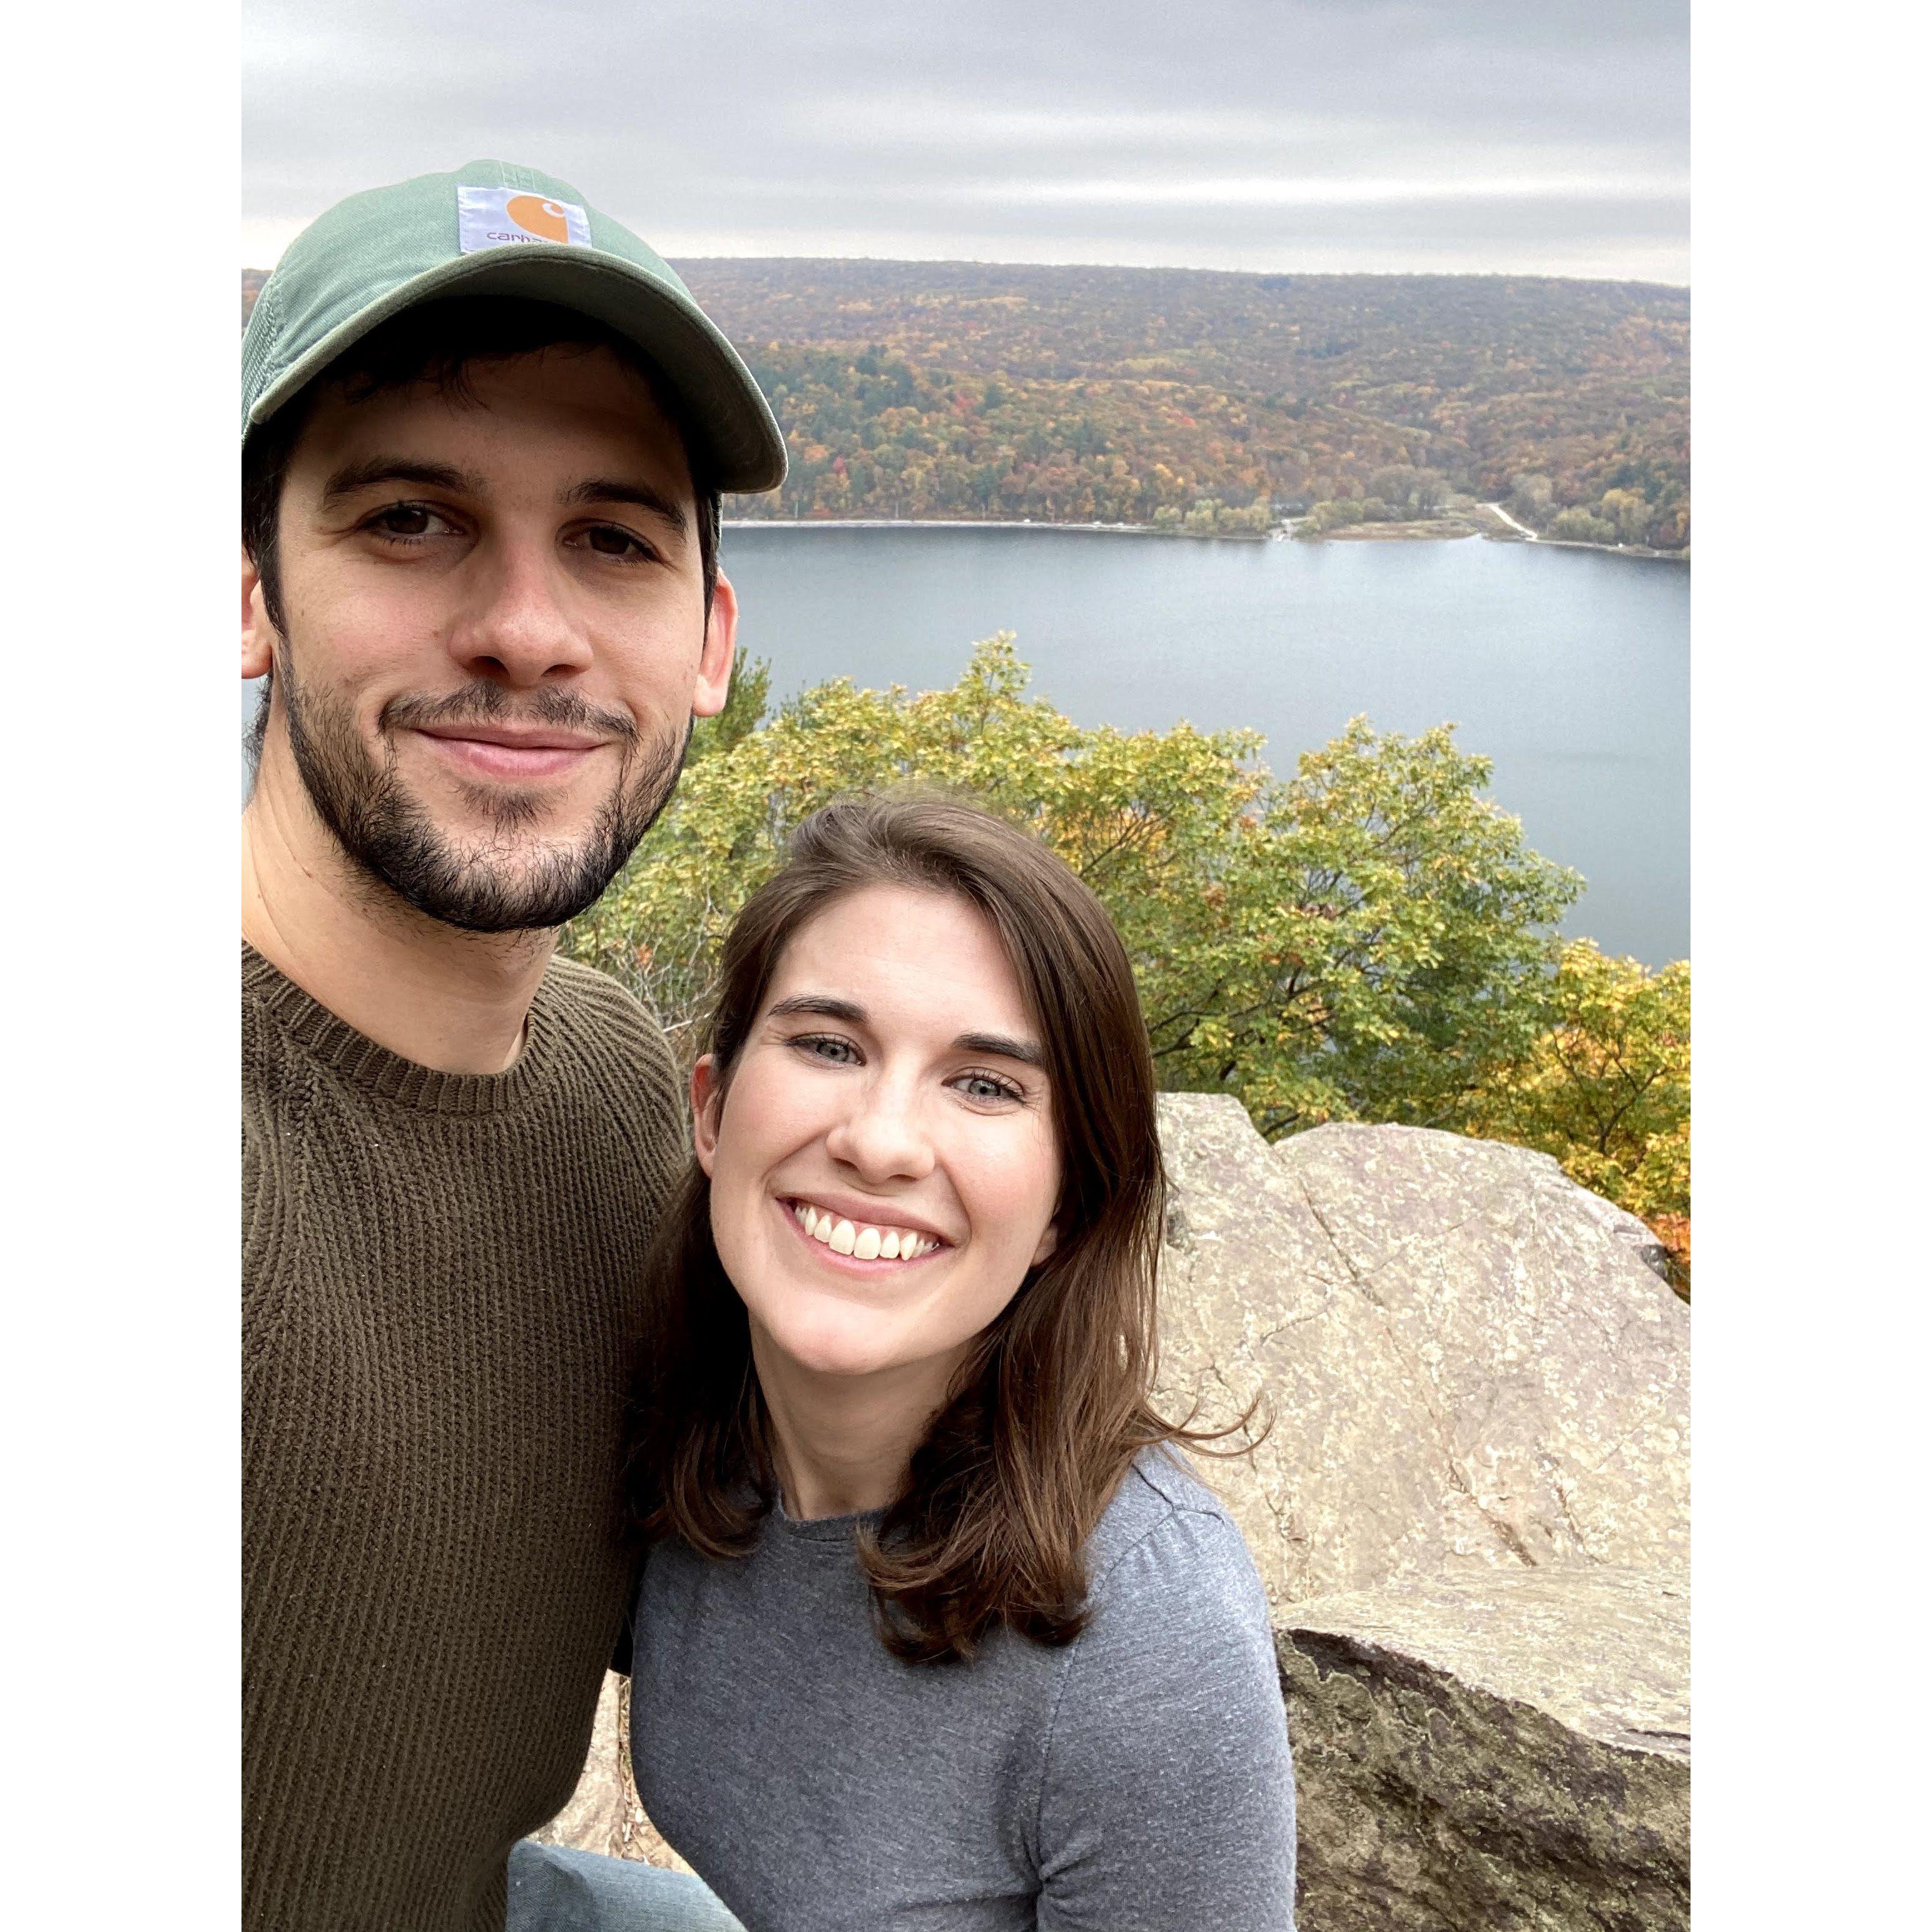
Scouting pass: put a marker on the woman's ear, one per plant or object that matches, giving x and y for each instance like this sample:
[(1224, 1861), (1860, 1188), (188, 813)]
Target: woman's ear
[(1049, 1239), (707, 1098)]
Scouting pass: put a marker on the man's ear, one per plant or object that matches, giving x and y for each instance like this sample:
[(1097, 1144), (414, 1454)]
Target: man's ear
[(707, 1099), (258, 635), (714, 663)]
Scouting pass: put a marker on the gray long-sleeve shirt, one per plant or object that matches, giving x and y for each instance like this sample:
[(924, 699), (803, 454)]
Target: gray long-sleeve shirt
[(1136, 1780)]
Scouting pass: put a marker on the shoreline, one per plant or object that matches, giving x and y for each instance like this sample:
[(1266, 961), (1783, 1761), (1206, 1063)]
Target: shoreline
[(1528, 535), (985, 524), (1284, 532)]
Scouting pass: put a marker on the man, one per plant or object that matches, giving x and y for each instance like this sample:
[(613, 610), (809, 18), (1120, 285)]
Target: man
[(484, 430)]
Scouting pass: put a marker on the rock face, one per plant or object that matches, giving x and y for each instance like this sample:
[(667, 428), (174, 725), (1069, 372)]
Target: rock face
[(1503, 1750), (596, 1818), (1467, 1361), (603, 1814), (1471, 1516)]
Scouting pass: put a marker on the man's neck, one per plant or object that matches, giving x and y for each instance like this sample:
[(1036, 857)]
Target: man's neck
[(453, 1001)]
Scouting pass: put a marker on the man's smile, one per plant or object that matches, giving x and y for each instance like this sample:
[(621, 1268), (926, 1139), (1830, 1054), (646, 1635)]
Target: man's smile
[(503, 752)]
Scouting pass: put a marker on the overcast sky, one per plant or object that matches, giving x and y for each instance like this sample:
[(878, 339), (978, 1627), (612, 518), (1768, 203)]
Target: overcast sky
[(1533, 136)]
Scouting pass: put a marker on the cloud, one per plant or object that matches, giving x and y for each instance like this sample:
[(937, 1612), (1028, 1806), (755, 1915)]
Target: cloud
[(1262, 133), (1356, 191)]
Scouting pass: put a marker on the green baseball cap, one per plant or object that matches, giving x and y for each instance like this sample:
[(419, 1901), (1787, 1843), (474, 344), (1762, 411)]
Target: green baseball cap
[(492, 229)]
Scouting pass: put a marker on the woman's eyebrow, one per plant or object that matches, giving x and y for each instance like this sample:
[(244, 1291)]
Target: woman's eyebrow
[(1023, 1051), (822, 1004), (826, 1006)]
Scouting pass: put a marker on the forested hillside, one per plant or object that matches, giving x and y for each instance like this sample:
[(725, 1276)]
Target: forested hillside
[(1187, 398)]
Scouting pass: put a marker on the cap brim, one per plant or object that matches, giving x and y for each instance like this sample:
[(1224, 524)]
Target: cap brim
[(743, 448)]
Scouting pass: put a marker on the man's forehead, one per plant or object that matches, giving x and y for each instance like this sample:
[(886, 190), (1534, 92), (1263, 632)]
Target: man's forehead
[(564, 405)]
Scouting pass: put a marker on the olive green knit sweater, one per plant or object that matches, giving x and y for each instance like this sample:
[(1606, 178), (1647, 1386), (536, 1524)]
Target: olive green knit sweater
[(439, 1277)]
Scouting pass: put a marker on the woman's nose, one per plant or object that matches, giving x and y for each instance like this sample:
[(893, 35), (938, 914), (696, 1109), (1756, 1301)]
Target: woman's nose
[(881, 1136)]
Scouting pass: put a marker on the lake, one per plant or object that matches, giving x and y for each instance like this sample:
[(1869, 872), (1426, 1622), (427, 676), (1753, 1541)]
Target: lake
[(1569, 669)]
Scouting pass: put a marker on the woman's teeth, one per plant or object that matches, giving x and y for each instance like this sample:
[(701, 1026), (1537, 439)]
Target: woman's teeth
[(860, 1240)]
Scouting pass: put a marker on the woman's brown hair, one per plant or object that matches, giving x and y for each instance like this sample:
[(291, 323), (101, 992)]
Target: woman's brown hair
[(1051, 1404)]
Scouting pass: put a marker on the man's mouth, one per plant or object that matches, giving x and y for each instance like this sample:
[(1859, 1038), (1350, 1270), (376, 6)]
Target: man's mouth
[(500, 752)]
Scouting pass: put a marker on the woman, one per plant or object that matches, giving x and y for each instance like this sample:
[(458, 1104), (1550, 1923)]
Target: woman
[(934, 1630)]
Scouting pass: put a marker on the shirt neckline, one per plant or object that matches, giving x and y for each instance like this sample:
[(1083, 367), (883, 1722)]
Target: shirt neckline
[(361, 1060), (822, 1529)]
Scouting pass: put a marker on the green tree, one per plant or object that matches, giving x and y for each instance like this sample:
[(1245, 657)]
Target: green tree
[(1372, 942), (1529, 498), (1332, 513), (1579, 525), (1408, 491), (1365, 941), (1630, 511)]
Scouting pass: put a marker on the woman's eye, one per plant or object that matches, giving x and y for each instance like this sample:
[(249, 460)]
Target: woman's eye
[(824, 1046), (985, 1087)]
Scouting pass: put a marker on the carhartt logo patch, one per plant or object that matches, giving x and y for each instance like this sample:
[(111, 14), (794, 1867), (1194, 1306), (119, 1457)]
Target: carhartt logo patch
[(494, 217)]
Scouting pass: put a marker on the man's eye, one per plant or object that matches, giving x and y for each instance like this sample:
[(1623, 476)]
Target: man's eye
[(608, 540), (404, 520)]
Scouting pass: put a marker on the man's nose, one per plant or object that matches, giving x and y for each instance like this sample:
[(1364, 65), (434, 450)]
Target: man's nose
[(882, 1135), (519, 627)]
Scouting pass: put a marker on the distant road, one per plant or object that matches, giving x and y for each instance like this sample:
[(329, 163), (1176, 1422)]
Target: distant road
[(1511, 521)]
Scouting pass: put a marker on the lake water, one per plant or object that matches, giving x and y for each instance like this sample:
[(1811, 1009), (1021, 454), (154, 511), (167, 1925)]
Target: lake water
[(1570, 669)]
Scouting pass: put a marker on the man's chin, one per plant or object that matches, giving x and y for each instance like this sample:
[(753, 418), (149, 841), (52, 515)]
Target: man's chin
[(482, 854), (484, 893), (535, 816), (495, 859)]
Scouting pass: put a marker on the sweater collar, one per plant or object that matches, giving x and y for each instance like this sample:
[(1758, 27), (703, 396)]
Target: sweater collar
[(357, 1058)]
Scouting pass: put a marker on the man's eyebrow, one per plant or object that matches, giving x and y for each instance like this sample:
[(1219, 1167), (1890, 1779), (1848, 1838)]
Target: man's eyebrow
[(822, 1004), (611, 490), (370, 470), (1023, 1051)]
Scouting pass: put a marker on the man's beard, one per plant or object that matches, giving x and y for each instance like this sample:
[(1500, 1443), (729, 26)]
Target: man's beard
[(485, 885)]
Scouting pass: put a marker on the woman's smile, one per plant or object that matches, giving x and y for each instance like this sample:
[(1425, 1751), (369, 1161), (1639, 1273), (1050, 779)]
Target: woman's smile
[(857, 1242)]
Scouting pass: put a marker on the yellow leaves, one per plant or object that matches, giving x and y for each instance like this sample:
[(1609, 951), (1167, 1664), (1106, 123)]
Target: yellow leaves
[(1605, 1086)]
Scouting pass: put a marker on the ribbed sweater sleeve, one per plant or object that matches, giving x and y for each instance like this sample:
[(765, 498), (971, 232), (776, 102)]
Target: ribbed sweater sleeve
[(440, 1281)]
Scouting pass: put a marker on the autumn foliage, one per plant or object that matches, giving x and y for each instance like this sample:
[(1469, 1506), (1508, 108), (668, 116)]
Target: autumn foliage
[(1607, 1088), (948, 388), (1212, 403)]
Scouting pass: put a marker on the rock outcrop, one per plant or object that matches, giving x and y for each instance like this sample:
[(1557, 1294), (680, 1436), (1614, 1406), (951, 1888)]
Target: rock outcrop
[(1505, 1750), (1471, 1516), (1466, 1359), (603, 1814)]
